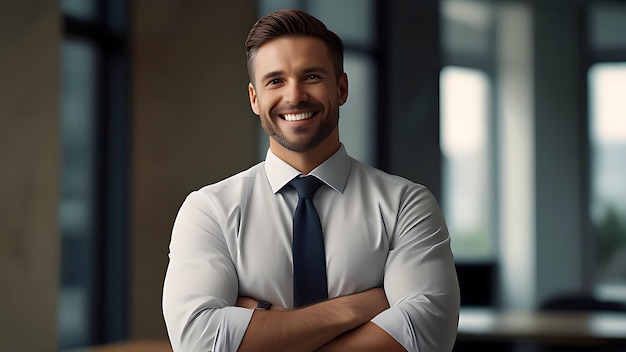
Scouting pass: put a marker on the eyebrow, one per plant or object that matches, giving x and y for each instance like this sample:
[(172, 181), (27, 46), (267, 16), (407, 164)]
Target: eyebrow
[(271, 75), (316, 69), (275, 74)]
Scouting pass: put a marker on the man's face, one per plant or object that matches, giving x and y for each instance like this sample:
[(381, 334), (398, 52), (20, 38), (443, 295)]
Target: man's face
[(296, 93)]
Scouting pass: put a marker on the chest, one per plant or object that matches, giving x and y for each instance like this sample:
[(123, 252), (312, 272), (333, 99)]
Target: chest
[(356, 240)]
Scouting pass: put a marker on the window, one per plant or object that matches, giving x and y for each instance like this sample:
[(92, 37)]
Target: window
[(78, 207), (465, 106), (606, 89), (607, 136), (466, 125), (92, 209)]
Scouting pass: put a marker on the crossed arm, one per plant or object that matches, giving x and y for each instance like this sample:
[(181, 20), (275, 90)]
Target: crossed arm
[(201, 289), (340, 324)]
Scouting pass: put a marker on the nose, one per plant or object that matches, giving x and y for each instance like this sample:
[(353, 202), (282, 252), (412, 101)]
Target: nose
[(295, 94)]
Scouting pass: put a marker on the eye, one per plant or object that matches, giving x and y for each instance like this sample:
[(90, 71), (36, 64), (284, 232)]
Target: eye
[(273, 81), (312, 77)]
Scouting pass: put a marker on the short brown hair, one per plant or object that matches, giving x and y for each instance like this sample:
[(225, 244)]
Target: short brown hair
[(285, 23)]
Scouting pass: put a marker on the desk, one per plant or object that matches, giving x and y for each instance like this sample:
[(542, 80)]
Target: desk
[(563, 328)]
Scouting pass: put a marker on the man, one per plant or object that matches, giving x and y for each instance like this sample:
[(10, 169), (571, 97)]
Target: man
[(234, 281)]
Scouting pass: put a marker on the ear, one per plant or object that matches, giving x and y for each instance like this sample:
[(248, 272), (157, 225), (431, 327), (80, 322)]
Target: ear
[(254, 103), (342, 88)]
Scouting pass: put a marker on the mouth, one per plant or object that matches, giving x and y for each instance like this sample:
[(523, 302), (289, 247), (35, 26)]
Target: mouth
[(297, 117)]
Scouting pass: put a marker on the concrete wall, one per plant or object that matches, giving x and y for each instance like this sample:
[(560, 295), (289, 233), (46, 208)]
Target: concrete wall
[(29, 174), (191, 125)]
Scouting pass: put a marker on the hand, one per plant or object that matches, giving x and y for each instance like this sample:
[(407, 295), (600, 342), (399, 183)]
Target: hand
[(246, 302), (251, 303)]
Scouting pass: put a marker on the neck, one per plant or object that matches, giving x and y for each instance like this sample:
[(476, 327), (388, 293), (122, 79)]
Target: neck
[(306, 161)]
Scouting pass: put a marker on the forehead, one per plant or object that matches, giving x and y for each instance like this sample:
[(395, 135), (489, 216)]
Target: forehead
[(291, 54)]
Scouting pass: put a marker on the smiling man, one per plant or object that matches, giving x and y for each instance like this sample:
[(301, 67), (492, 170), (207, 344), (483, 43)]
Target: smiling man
[(310, 250), (297, 91)]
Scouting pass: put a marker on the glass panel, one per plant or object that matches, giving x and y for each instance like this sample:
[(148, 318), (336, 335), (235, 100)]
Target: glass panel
[(608, 25), (77, 213), (356, 122), (83, 9), (465, 28), (269, 6), (352, 20), (607, 135), (464, 144)]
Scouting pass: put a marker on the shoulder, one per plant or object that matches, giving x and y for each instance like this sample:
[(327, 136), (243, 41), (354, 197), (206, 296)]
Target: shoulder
[(388, 185), (235, 180), (229, 191), (376, 177)]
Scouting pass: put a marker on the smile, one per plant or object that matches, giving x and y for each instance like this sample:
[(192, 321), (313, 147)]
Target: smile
[(297, 117)]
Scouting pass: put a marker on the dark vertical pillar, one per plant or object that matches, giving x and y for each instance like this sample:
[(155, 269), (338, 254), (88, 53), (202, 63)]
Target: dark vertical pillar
[(411, 87)]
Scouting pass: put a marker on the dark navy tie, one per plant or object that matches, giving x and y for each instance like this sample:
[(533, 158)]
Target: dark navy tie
[(309, 261)]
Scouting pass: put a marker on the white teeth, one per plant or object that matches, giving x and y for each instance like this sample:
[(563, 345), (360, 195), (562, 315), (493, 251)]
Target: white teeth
[(298, 117)]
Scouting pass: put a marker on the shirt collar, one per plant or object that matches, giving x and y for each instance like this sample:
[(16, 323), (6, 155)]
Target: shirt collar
[(333, 171)]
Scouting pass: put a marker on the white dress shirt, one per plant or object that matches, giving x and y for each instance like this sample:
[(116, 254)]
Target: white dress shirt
[(233, 238)]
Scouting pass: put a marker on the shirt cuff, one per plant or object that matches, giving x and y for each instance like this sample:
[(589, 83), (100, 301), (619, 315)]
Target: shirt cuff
[(397, 323), (231, 329)]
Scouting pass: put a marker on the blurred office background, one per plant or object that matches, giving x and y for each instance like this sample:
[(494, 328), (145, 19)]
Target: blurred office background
[(512, 112)]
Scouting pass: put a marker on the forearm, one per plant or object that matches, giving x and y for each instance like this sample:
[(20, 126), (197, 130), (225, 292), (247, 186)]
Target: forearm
[(300, 330), (368, 337), (309, 328)]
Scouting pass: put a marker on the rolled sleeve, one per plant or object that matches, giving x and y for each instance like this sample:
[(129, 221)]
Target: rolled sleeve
[(231, 328), (201, 288), (420, 278)]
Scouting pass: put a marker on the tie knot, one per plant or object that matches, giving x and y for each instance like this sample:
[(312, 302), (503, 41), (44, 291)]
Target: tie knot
[(306, 186)]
